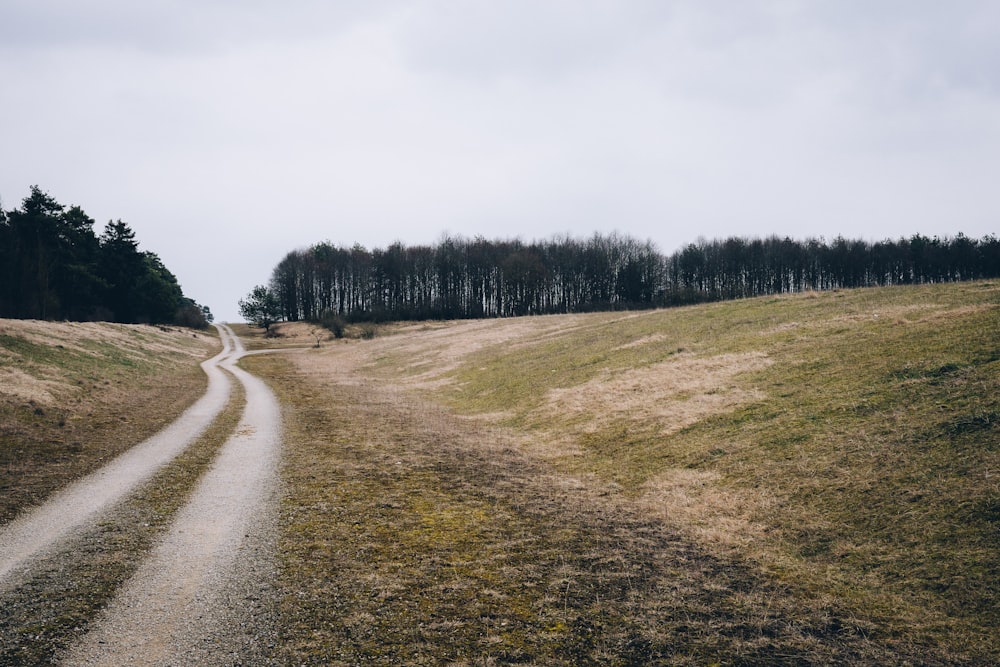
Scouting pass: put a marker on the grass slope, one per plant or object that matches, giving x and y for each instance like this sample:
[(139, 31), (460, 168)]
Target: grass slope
[(74, 395), (810, 478)]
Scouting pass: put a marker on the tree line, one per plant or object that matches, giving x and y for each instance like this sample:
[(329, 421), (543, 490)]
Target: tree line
[(480, 278), (54, 267)]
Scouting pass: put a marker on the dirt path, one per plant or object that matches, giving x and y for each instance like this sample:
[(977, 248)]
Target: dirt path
[(199, 597), (43, 528)]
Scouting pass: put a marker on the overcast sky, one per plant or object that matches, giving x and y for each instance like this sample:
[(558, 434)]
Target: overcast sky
[(229, 132)]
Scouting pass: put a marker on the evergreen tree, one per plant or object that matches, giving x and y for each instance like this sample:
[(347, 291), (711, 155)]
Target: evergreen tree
[(52, 266), (35, 248), (80, 286), (121, 267)]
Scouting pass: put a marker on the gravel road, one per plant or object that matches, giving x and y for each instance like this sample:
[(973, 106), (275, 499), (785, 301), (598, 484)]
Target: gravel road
[(43, 528), (200, 597)]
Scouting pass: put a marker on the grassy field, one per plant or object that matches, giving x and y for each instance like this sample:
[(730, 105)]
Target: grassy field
[(803, 479)]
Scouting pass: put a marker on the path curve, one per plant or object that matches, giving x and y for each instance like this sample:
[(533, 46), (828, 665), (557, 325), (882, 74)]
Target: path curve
[(212, 563), (40, 529)]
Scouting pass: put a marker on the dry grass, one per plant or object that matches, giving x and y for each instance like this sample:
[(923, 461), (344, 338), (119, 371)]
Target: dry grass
[(673, 394), (412, 536), (809, 478), (283, 335), (73, 396)]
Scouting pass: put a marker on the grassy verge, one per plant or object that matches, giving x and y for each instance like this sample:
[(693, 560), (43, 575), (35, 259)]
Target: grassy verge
[(74, 396), (45, 614)]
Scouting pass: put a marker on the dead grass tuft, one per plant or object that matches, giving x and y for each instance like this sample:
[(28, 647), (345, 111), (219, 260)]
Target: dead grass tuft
[(672, 394), (725, 519), (26, 388), (645, 340)]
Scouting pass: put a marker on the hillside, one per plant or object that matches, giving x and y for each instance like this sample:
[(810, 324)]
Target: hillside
[(73, 395), (777, 480), (784, 480)]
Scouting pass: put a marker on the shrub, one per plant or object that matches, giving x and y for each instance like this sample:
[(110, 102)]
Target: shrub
[(334, 322)]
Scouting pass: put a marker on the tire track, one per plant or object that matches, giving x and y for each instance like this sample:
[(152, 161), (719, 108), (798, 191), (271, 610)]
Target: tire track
[(42, 529), (198, 597)]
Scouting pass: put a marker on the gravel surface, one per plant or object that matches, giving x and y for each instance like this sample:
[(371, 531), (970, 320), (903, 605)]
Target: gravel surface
[(77, 506), (202, 595)]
